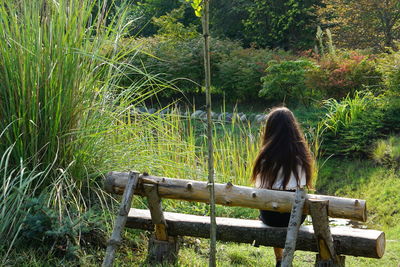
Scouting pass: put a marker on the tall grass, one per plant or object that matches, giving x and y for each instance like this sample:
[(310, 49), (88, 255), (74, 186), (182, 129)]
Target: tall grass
[(61, 104), (347, 110), (17, 184), (59, 72)]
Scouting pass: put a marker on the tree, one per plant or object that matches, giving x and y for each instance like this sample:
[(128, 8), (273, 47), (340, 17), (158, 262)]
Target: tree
[(226, 18), (287, 24), (170, 27), (363, 23), (145, 10)]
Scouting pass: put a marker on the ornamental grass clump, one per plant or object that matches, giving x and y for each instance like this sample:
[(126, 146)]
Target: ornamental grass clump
[(60, 104), (60, 73)]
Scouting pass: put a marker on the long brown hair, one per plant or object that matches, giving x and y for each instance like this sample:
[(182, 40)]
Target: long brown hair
[(283, 147)]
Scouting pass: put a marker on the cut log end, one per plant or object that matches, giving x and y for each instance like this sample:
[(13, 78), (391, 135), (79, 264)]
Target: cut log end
[(364, 207), (381, 245)]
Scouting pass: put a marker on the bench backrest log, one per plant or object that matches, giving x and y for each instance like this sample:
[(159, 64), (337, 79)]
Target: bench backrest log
[(232, 195)]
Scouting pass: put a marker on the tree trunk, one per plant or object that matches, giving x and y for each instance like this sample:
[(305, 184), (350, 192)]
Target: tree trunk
[(207, 69)]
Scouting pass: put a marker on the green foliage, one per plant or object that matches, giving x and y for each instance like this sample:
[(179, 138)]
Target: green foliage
[(379, 186), (197, 5), (352, 125), (145, 10), (63, 97), (177, 62), (45, 99), (286, 81), (17, 185), (65, 234), (389, 66), (387, 152), (170, 28), (288, 24), (236, 71), (344, 73), (239, 72), (363, 23), (322, 44), (226, 19)]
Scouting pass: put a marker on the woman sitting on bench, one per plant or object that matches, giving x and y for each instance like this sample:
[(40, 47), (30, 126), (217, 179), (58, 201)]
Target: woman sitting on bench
[(283, 163)]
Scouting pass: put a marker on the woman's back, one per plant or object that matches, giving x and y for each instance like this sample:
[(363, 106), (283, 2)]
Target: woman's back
[(283, 163), (284, 153)]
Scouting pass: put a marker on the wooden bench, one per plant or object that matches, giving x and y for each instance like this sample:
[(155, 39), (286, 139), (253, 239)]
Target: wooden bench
[(329, 242)]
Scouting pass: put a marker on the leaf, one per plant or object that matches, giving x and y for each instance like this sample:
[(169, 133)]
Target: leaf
[(197, 5)]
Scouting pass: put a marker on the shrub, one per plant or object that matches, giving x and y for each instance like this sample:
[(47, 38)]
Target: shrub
[(181, 62), (239, 72), (389, 67), (236, 71), (343, 74), (286, 81), (387, 152), (63, 234), (352, 125)]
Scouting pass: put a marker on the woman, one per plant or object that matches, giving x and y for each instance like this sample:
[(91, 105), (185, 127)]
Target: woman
[(283, 163)]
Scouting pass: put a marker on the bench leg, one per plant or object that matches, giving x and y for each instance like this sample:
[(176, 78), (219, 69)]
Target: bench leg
[(327, 256), (163, 251), (319, 262)]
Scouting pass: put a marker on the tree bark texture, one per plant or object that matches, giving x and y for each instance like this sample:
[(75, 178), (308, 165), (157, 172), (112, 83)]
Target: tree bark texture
[(231, 195), (354, 242)]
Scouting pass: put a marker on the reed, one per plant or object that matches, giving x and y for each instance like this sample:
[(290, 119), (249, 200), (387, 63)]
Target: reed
[(60, 72)]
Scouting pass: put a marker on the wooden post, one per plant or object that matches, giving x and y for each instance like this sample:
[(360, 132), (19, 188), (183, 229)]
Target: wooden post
[(327, 254), (125, 206), (293, 227), (157, 216), (162, 248)]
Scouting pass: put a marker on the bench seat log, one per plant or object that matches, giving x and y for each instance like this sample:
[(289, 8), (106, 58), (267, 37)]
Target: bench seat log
[(231, 195), (354, 242)]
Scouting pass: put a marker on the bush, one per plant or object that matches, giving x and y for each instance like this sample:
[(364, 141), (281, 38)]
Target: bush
[(63, 234), (286, 81), (236, 71), (239, 72), (387, 152), (182, 62), (352, 125), (338, 76), (389, 67)]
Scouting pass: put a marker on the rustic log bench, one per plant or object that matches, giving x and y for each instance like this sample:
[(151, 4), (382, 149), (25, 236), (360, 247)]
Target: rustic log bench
[(329, 242)]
